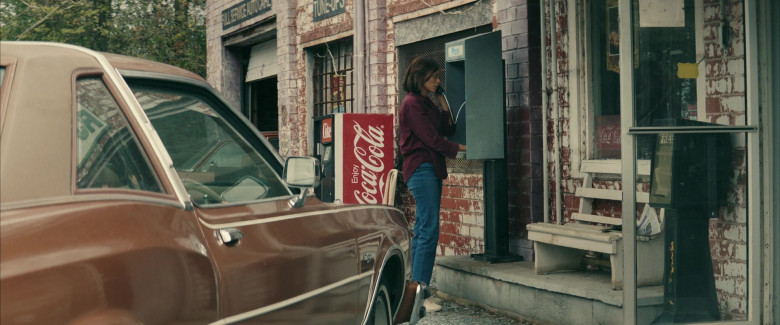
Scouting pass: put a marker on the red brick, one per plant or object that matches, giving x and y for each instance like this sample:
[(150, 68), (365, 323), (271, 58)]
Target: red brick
[(449, 216), (452, 191), (448, 228)]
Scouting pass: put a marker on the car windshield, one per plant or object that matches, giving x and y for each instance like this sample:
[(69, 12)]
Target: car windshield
[(215, 163)]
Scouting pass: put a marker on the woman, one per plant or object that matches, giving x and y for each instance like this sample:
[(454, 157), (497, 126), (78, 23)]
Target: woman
[(423, 125)]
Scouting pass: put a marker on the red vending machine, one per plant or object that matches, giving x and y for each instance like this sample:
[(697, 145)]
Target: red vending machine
[(356, 151)]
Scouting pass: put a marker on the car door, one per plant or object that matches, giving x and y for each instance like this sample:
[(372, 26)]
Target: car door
[(276, 264)]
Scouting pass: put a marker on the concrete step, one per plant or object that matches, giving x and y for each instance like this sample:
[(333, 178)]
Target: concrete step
[(567, 297)]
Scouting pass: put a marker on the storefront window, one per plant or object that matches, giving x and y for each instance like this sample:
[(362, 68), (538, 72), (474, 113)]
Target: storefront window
[(691, 64), (689, 114), (606, 79), (332, 78)]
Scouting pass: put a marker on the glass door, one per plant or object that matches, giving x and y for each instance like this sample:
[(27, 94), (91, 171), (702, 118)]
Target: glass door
[(686, 108)]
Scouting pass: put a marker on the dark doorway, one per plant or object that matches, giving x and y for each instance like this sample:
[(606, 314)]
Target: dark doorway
[(264, 108)]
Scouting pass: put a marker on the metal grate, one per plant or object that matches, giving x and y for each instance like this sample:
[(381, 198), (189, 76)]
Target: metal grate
[(434, 48), (333, 82)]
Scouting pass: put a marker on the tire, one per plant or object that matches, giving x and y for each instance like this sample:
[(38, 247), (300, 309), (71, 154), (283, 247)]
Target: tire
[(380, 309)]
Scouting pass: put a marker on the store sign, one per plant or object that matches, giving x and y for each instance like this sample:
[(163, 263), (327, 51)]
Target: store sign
[(244, 11), (327, 8)]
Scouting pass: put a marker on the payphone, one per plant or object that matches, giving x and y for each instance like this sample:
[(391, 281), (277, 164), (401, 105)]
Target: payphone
[(475, 92), (689, 178)]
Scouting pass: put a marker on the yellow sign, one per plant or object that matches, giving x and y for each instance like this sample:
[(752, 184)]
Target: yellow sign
[(687, 70)]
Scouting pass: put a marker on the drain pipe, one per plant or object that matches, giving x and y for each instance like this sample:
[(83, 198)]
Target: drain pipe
[(545, 172), (359, 54), (556, 112)]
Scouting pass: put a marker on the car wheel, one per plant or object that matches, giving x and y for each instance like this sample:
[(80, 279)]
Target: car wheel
[(380, 310)]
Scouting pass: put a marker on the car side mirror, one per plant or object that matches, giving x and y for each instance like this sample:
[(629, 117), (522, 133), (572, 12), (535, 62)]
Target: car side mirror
[(303, 173)]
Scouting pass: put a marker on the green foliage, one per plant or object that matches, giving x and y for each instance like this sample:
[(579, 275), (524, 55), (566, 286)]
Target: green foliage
[(169, 31)]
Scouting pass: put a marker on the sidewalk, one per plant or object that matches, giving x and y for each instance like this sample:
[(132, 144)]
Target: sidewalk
[(456, 311), (560, 298)]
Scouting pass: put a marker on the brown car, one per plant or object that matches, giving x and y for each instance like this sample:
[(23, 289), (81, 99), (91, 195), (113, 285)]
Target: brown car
[(131, 193)]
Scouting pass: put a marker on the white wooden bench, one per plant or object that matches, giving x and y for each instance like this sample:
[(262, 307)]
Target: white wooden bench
[(564, 247)]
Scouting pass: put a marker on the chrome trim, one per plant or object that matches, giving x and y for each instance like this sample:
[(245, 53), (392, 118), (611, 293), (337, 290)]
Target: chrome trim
[(292, 216), (291, 301), (392, 251), (692, 129), (419, 299), (149, 131), (246, 202)]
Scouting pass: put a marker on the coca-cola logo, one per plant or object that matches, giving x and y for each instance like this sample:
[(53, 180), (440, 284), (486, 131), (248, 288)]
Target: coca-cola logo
[(327, 131), (369, 152), (609, 136)]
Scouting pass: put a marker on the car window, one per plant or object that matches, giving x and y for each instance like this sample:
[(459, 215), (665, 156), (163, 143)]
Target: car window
[(215, 163), (2, 76), (109, 155), (229, 154)]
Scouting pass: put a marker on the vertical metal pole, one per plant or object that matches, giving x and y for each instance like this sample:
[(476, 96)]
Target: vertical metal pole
[(359, 53), (496, 214), (754, 226), (772, 125), (627, 149)]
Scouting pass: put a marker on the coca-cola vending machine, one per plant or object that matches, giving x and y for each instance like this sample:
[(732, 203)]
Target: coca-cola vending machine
[(356, 151)]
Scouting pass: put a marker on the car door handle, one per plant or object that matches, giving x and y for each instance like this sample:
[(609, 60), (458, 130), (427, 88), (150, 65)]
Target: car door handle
[(229, 236)]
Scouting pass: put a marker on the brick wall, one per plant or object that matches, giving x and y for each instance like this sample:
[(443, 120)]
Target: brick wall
[(462, 217), (222, 66), (519, 24), (383, 78), (462, 230), (382, 69), (462, 208), (291, 89), (308, 33), (725, 104)]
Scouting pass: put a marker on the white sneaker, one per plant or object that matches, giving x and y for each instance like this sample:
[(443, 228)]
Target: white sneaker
[(430, 306)]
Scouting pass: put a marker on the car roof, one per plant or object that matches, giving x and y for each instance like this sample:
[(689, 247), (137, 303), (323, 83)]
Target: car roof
[(128, 63), (118, 61), (35, 148)]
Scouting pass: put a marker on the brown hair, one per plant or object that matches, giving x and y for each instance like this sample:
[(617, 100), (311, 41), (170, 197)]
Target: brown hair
[(418, 72)]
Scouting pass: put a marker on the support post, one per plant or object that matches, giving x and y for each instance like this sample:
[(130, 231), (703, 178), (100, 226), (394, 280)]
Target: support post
[(496, 200)]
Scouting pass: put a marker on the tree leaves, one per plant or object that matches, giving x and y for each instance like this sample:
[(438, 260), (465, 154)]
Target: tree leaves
[(169, 31)]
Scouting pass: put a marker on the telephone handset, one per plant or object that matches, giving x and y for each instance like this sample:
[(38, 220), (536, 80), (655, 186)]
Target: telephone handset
[(440, 90)]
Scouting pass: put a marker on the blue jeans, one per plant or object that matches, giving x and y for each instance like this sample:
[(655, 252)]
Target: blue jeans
[(426, 189)]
